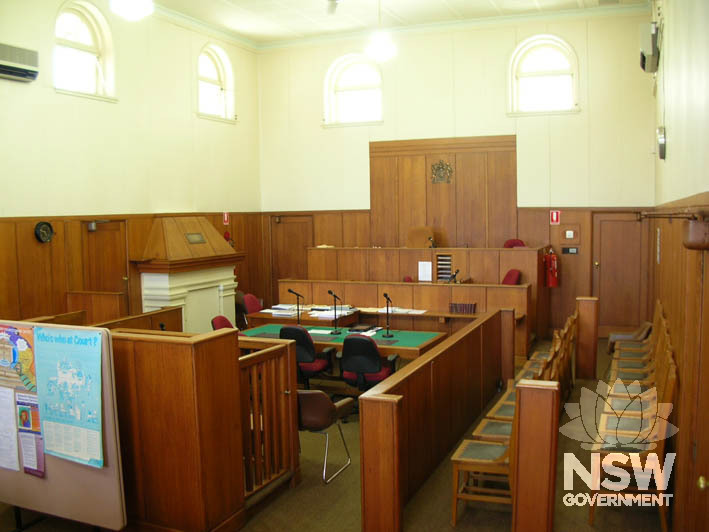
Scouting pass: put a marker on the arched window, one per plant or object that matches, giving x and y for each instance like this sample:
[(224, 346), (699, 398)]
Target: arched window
[(543, 76), (353, 91), (83, 52), (215, 84)]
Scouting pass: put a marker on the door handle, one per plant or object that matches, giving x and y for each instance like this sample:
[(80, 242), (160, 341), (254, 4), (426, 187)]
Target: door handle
[(702, 483), (597, 264), (125, 278)]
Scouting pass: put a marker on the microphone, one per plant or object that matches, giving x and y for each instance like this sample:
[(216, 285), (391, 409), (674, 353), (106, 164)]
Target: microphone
[(430, 239), (386, 296), (453, 277), (333, 295), (296, 294)]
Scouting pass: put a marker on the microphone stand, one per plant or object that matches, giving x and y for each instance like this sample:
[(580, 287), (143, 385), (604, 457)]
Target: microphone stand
[(334, 306), (388, 333), (297, 308)]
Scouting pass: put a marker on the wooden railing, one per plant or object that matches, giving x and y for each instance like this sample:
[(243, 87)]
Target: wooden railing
[(77, 317), (269, 412), (410, 421), (167, 319)]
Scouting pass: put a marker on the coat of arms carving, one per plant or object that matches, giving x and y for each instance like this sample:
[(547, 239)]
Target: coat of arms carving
[(441, 172)]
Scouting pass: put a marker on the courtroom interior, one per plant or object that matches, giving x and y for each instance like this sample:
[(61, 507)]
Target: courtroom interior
[(354, 265)]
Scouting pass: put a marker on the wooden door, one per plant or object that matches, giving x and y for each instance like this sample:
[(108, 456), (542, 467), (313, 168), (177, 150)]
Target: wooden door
[(698, 507), (290, 238), (105, 259), (620, 244)]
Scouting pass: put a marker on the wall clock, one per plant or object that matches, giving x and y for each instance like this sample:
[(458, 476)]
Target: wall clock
[(43, 232)]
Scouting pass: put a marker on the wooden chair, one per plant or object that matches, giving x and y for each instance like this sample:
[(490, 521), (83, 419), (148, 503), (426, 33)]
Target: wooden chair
[(482, 463), (638, 429)]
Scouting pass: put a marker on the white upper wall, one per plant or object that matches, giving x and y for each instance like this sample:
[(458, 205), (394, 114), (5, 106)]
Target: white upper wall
[(453, 83), (682, 102), (148, 152)]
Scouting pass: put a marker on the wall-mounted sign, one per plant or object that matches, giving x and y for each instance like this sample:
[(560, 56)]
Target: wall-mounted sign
[(225, 218), (554, 217)]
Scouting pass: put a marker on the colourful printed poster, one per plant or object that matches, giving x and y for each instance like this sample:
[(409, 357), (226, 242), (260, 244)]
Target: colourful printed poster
[(31, 441), (69, 388), (17, 366)]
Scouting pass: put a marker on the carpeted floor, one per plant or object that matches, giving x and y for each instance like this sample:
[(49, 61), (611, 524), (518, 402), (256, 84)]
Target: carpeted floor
[(313, 506)]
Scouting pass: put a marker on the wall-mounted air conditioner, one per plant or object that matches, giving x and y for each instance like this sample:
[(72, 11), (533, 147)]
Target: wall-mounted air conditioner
[(18, 63), (649, 51)]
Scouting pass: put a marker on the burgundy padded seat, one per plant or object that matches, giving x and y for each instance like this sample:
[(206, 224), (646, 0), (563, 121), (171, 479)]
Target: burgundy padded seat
[(514, 243), (512, 277)]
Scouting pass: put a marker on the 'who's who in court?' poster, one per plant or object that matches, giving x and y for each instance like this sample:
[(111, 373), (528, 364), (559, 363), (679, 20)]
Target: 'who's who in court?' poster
[(68, 366)]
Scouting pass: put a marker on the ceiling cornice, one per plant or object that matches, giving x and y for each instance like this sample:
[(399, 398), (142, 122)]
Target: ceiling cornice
[(249, 44)]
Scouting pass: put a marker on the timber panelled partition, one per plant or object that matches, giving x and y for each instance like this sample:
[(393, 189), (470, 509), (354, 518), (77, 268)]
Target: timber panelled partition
[(165, 319), (433, 297), (482, 265), (410, 421), (201, 428)]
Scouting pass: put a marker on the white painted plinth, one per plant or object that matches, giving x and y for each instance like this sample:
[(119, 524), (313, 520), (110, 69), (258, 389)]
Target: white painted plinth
[(202, 294)]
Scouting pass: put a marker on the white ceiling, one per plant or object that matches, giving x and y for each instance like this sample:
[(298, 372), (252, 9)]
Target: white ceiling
[(271, 21)]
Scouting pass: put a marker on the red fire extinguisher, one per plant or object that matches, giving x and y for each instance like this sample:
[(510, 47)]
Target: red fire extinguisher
[(551, 266)]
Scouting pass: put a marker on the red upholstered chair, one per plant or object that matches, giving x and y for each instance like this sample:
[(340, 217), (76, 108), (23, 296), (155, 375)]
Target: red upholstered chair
[(252, 303), (221, 322), (362, 363), (514, 243), (408, 279), (310, 363), (512, 277)]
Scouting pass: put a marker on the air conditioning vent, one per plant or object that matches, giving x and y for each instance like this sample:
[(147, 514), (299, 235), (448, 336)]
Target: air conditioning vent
[(18, 63)]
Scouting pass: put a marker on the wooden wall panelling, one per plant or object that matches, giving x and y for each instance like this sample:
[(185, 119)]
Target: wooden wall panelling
[(470, 294), (303, 288), (352, 264), (441, 202), (320, 295), (383, 264), (41, 270), (533, 226), (411, 194), (501, 197), (9, 285), (434, 298), (401, 296), (355, 229), (361, 295), (574, 270), (327, 228), (384, 200), (73, 255), (322, 263), (484, 266), (409, 262), (99, 306), (471, 207)]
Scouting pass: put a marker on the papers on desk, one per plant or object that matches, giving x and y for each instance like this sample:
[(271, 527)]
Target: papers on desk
[(329, 314), (399, 310), (283, 306), (320, 331), (284, 313)]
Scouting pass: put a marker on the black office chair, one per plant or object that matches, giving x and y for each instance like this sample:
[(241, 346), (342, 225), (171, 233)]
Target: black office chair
[(362, 363), (310, 362)]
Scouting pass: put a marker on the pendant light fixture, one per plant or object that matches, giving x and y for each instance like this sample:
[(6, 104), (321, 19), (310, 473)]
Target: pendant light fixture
[(381, 47), (132, 9)]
